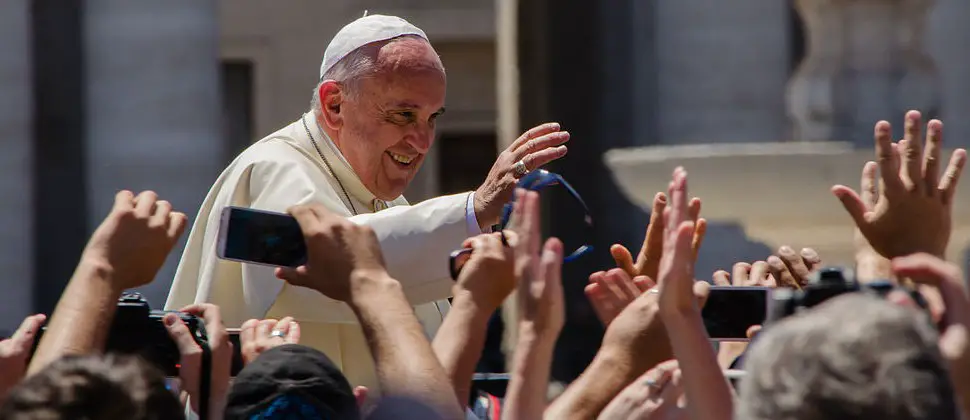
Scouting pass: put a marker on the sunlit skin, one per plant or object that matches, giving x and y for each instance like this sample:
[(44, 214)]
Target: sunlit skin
[(391, 114)]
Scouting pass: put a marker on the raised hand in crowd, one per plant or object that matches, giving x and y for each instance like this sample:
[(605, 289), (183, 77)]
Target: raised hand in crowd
[(744, 274), (783, 269), (648, 260), (656, 395), (190, 360), (790, 269), (910, 189), (344, 262), (486, 279), (637, 339), (135, 238), (15, 351), (681, 313), (611, 291), (125, 251), (345, 257), (932, 271), (540, 309), (256, 336)]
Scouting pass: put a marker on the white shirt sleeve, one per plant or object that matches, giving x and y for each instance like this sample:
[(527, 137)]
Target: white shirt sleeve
[(470, 219), (189, 412)]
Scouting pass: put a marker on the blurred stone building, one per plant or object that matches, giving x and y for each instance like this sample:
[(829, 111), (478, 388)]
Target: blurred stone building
[(101, 95)]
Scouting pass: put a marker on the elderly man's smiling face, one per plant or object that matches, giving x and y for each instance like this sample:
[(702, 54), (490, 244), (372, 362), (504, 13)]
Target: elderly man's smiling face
[(386, 123)]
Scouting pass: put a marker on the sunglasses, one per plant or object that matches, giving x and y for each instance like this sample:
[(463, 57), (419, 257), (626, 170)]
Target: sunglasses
[(533, 181)]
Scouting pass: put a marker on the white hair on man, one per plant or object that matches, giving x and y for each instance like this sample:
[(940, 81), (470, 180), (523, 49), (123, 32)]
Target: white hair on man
[(356, 66), (854, 357)]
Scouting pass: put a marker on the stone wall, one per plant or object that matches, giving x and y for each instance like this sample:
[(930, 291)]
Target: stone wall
[(16, 165)]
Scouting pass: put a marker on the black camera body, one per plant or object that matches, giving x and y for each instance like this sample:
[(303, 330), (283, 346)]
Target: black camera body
[(139, 330), (825, 284)]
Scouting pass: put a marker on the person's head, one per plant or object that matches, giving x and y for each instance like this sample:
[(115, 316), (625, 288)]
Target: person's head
[(853, 357), (290, 382), (93, 387), (379, 104)]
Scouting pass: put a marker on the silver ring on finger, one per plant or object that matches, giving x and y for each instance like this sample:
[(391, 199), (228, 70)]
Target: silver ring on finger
[(519, 168), (277, 333)]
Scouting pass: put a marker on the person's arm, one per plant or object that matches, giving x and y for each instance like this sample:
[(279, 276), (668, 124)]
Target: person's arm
[(14, 352), (459, 343), (82, 318), (704, 384), (404, 361), (126, 251), (541, 310), (933, 272), (602, 380), (634, 342), (485, 281), (654, 395), (345, 263), (415, 239), (190, 359), (529, 383)]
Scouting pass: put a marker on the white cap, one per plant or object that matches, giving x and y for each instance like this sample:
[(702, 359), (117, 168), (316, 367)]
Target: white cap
[(363, 31)]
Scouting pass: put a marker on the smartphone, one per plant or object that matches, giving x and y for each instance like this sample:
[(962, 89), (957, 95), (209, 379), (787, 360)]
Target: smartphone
[(260, 237), (730, 311)]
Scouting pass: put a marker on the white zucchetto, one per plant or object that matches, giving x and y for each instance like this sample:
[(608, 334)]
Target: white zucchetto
[(363, 31)]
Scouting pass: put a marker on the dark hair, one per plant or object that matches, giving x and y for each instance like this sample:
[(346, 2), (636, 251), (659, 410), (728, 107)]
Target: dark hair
[(93, 387)]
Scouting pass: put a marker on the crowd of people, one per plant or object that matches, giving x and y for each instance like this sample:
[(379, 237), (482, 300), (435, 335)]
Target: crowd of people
[(855, 356)]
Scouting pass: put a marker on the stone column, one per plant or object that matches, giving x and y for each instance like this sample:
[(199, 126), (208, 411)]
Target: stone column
[(721, 69), (507, 71), (947, 37), (153, 106), (865, 62), (16, 165)]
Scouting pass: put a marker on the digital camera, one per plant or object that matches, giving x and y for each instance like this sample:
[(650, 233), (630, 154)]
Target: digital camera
[(826, 284), (138, 330)]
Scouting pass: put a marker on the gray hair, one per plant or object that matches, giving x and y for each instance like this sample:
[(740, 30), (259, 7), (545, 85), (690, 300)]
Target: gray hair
[(854, 357), (352, 69)]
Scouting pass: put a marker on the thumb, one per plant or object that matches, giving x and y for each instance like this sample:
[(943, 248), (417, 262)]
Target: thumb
[(701, 291), (26, 334), (623, 259), (852, 202), (360, 393), (954, 342), (294, 276), (753, 331), (180, 335)]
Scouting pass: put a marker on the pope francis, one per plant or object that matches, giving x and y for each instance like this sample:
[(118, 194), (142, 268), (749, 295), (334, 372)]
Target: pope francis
[(370, 125)]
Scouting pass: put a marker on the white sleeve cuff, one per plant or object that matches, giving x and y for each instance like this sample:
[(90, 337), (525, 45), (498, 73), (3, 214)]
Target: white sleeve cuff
[(189, 412), (471, 221)]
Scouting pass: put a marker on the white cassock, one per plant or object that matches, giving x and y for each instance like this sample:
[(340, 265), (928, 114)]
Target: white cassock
[(285, 169)]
